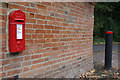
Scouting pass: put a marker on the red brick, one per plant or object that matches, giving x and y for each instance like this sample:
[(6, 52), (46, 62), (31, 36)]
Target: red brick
[(41, 22), (28, 20), (49, 31), (58, 6), (2, 74), (57, 23), (47, 45), (55, 32), (58, 28), (47, 40), (3, 24), (47, 3), (4, 43), (47, 63), (3, 10), (50, 18), (27, 36), (23, 3), (44, 12), (2, 56), (33, 10), (31, 15), (48, 36), (36, 26), (31, 31), (4, 36), (55, 66), (59, 19), (41, 6), (28, 25), (55, 48), (25, 69), (26, 14), (5, 62), (12, 66), (40, 31), (60, 11), (4, 49), (28, 41), (36, 56), (26, 58), (26, 63), (4, 17), (40, 16), (37, 36), (40, 50), (19, 59), (52, 9), (40, 41), (35, 66), (13, 72), (1, 69), (49, 22), (14, 6), (54, 40), (37, 61), (49, 27)]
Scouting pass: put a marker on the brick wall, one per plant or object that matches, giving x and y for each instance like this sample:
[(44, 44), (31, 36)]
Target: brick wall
[(58, 40)]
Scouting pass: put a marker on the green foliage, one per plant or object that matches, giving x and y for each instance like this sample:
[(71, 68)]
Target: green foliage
[(107, 17)]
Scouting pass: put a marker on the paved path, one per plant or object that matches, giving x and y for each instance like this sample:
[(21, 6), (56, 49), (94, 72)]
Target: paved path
[(99, 55), (102, 47)]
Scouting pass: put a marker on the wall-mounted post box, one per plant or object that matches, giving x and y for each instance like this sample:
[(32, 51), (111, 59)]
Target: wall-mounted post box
[(16, 31)]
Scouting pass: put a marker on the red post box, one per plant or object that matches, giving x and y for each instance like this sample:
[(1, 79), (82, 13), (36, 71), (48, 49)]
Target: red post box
[(16, 31)]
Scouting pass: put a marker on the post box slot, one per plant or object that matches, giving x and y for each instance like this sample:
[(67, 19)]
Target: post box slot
[(19, 20)]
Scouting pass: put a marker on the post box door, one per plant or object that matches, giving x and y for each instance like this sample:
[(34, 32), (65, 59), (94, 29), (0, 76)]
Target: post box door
[(16, 31)]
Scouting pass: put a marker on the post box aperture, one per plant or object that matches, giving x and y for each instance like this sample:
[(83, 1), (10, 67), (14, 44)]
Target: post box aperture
[(16, 31)]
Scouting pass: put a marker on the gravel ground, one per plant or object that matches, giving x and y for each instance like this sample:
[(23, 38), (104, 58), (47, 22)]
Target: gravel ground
[(99, 73)]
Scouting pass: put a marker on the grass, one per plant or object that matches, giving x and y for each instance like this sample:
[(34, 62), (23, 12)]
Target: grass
[(98, 40)]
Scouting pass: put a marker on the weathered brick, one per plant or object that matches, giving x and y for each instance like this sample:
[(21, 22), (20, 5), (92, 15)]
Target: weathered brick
[(28, 20), (37, 61), (40, 16), (26, 63), (37, 36), (41, 22), (23, 3), (40, 41), (56, 36), (35, 66), (19, 59), (13, 72), (48, 36), (36, 56), (25, 69), (5, 62), (28, 25), (40, 31), (33, 10), (41, 6), (50, 18), (31, 15), (14, 6), (49, 27)]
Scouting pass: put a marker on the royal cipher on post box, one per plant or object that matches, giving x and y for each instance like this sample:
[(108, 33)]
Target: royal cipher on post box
[(16, 31)]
